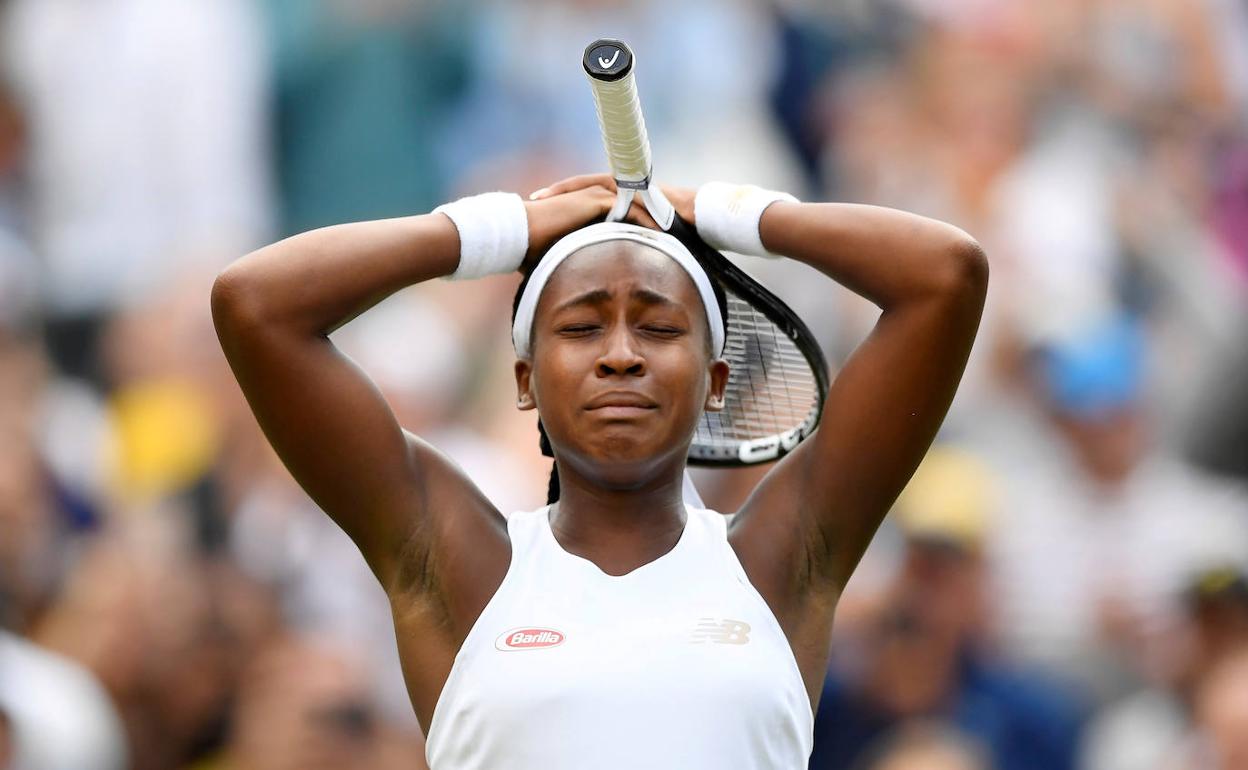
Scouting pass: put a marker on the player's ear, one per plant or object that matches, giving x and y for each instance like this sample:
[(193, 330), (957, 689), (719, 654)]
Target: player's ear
[(718, 371), (524, 380)]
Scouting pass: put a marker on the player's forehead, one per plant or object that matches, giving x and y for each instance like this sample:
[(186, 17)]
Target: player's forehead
[(619, 266)]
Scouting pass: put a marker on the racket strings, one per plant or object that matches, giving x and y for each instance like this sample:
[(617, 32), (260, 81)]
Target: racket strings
[(771, 387)]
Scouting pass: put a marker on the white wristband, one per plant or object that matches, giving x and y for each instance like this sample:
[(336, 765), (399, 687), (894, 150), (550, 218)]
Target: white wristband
[(727, 216), (493, 233)]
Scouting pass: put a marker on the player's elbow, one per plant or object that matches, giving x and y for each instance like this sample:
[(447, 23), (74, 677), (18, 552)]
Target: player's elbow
[(963, 270), (234, 300)]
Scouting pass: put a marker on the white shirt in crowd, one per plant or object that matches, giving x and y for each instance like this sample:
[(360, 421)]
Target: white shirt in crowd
[(148, 140), (1062, 550), (59, 715)]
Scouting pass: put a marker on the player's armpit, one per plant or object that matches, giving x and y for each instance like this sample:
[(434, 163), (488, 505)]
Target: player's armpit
[(817, 510)]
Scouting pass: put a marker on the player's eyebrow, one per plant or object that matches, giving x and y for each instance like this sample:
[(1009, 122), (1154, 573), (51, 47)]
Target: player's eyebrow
[(600, 296), (593, 297), (648, 297)]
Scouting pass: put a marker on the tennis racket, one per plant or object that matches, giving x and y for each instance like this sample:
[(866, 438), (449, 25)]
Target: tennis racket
[(779, 378)]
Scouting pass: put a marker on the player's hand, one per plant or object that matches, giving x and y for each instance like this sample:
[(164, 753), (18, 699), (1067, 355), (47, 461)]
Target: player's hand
[(553, 216), (681, 197)]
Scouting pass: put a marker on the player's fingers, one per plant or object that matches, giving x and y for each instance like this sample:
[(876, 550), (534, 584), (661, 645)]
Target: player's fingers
[(600, 195), (573, 183), (638, 215)]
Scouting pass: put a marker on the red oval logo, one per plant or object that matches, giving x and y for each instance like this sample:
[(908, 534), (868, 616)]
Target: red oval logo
[(529, 639)]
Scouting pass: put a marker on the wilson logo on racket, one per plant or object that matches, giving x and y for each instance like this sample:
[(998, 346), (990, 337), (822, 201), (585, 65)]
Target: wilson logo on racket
[(761, 449), (528, 639)]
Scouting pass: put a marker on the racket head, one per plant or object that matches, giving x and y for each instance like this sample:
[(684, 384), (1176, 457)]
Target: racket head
[(778, 375)]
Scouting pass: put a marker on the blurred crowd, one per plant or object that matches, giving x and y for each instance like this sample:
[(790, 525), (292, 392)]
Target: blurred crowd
[(1063, 586)]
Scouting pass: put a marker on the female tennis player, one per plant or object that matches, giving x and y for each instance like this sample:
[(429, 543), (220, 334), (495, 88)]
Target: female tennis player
[(620, 626)]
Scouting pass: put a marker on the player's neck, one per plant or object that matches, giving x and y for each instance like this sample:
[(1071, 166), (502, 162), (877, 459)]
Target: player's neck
[(618, 530)]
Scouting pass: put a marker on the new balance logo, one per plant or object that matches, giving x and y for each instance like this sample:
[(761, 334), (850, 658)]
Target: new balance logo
[(720, 631), (528, 639)]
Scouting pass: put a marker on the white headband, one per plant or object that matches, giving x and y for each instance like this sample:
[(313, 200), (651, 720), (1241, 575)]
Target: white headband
[(522, 329)]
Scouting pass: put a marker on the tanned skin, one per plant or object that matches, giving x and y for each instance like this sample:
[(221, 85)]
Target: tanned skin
[(440, 549)]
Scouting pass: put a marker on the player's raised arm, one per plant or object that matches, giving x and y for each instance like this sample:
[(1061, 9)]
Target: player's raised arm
[(274, 309), (886, 404)]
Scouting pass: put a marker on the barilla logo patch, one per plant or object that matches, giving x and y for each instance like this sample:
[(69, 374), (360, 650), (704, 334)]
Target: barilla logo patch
[(528, 639)]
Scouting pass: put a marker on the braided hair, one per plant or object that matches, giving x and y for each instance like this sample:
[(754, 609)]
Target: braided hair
[(552, 487)]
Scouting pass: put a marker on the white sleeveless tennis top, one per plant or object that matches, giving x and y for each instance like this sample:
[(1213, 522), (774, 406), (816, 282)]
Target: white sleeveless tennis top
[(677, 664)]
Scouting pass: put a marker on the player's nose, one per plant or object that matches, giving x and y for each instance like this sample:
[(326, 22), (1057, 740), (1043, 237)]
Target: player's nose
[(620, 354)]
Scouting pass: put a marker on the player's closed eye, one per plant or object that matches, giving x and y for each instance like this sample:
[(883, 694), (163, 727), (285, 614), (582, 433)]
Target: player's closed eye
[(578, 329), (664, 331)]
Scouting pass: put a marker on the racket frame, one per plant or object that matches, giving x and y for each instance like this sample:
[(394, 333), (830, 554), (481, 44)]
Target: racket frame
[(628, 149)]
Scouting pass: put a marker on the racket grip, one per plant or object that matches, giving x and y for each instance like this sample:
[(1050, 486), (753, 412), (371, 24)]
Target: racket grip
[(609, 66)]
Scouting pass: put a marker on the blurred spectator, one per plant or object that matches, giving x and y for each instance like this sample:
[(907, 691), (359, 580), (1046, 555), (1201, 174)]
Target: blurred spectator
[(1222, 714), (19, 300), (704, 103), (1147, 730), (927, 747), (1221, 740), (147, 149), (56, 715), (434, 390), (32, 550), (6, 741), (165, 633), (821, 45), (1217, 438), (12, 148), (923, 655), (325, 588), (1217, 602), (1105, 531), (306, 705), (361, 91), (163, 416), (1230, 203)]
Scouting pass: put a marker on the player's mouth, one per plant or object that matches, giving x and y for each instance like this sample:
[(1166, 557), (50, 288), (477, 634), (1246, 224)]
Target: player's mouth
[(620, 404)]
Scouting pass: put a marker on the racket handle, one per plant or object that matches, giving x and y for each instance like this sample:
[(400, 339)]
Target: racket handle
[(609, 66)]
